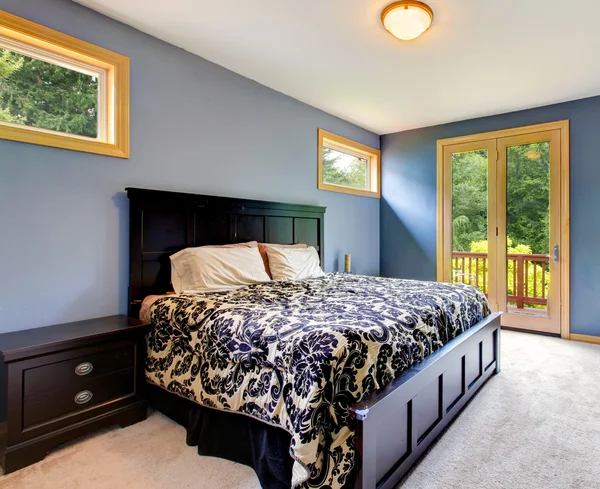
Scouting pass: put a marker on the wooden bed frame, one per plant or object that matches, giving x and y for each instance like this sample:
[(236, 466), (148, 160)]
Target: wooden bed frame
[(395, 425)]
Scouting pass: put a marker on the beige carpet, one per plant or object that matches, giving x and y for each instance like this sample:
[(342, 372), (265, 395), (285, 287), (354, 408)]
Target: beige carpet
[(537, 425)]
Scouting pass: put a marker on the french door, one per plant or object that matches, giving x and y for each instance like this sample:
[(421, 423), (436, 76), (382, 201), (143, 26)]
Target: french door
[(503, 213)]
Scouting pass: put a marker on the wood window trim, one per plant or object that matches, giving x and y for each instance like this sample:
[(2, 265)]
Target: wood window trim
[(116, 104), (374, 156), (442, 203)]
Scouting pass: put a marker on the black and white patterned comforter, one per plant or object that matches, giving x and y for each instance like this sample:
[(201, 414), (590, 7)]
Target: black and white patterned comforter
[(299, 354)]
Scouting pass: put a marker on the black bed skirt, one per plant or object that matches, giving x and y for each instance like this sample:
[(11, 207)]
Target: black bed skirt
[(230, 436)]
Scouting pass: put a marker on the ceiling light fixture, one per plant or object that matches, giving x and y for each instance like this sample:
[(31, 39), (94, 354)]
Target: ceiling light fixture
[(407, 19)]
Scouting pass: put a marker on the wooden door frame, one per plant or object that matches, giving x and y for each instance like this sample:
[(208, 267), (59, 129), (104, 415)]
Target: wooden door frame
[(489, 145), (443, 202)]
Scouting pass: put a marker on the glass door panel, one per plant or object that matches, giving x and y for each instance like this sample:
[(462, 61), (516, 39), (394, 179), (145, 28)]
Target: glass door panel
[(529, 207), (469, 179), (528, 227), (470, 263)]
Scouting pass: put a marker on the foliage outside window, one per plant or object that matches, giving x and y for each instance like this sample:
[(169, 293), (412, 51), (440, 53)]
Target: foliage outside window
[(35, 93), (527, 197), (527, 213), (56, 90), (347, 166)]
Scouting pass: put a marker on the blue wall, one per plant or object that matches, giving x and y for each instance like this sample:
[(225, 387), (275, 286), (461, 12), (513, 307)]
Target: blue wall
[(195, 127), (408, 206)]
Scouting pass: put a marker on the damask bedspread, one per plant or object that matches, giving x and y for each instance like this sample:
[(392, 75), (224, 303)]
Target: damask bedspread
[(299, 354)]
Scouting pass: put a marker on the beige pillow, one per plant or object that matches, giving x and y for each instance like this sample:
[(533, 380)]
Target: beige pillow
[(177, 270), (208, 269), (294, 263), (262, 247)]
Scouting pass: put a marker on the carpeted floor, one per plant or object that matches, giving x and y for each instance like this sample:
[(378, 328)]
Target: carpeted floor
[(536, 425)]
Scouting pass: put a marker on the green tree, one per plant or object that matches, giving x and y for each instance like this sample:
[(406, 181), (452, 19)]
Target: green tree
[(527, 196), (469, 198), (43, 95), (8, 65), (340, 169)]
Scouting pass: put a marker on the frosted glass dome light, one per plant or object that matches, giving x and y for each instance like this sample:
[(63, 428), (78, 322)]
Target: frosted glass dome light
[(407, 19)]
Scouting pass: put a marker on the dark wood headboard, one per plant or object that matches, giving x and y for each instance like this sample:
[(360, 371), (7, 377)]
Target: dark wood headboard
[(162, 223)]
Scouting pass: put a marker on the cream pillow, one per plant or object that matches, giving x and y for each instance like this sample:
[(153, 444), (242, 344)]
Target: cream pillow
[(217, 269), (294, 263), (177, 261), (262, 247)]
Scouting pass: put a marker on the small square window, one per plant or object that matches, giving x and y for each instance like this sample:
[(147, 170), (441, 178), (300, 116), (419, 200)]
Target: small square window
[(347, 166), (56, 90)]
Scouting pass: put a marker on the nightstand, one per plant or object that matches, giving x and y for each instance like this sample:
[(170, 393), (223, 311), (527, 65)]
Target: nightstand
[(64, 381)]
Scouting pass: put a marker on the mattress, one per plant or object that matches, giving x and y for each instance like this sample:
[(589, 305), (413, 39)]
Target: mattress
[(299, 354)]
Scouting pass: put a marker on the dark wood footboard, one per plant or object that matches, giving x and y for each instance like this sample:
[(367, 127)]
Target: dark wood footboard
[(397, 424)]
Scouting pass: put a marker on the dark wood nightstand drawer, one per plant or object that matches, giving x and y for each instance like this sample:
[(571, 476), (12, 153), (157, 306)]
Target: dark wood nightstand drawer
[(76, 372), (77, 397), (61, 382)]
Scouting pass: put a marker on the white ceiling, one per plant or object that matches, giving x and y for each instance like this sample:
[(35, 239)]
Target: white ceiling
[(480, 57)]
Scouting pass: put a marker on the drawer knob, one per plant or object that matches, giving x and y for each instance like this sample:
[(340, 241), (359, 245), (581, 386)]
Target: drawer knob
[(84, 368), (83, 397)]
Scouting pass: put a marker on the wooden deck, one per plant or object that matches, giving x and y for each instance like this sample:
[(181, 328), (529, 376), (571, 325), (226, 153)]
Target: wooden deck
[(529, 311)]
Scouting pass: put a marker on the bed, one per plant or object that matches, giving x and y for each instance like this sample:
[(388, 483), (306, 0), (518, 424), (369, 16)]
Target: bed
[(376, 413)]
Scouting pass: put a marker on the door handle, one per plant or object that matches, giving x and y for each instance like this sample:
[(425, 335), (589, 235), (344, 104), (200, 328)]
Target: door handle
[(555, 253)]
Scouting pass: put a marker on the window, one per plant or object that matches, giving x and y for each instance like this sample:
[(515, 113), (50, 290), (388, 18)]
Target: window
[(348, 167), (56, 90)]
